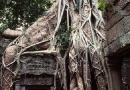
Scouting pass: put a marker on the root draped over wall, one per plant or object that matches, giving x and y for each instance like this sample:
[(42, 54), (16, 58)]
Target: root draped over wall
[(83, 57)]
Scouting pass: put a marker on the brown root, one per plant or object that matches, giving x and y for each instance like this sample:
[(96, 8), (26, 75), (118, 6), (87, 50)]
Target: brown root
[(11, 33)]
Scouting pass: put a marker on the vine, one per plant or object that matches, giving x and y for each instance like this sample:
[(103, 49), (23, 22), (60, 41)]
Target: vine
[(81, 50)]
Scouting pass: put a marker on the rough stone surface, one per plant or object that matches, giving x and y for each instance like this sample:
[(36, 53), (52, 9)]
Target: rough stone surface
[(118, 30), (118, 44), (118, 27), (123, 3), (115, 19)]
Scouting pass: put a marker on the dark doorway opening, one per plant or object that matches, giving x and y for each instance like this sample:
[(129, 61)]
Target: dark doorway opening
[(126, 72), (36, 87)]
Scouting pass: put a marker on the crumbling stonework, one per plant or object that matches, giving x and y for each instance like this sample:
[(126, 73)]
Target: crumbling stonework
[(118, 27), (117, 44)]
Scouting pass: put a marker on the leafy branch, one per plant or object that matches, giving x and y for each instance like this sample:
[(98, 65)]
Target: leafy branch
[(104, 5), (3, 27), (63, 38)]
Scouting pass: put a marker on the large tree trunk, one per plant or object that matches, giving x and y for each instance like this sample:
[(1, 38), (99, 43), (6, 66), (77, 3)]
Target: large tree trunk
[(85, 67), (41, 30)]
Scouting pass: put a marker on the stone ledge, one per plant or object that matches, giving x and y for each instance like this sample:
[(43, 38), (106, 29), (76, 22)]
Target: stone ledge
[(118, 44), (118, 30), (116, 15), (113, 20)]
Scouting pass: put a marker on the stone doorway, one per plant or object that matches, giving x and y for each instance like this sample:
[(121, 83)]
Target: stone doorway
[(37, 73), (37, 88), (126, 72), (34, 82)]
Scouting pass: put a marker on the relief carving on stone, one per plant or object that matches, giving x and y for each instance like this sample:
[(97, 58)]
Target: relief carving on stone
[(37, 80), (37, 65)]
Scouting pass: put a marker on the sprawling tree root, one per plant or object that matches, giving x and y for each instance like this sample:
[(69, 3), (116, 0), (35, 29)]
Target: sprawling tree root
[(40, 33), (11, 33), (85, 63)]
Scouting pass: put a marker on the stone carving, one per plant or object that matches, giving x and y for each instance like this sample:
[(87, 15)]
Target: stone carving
[(37, 65), (37, 80)]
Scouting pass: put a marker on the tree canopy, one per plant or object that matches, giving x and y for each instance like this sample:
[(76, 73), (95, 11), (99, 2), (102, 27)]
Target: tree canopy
[(16, 13)]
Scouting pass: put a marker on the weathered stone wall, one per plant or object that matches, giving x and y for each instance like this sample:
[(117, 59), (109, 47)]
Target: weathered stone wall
[(118, 27), (117, 41)]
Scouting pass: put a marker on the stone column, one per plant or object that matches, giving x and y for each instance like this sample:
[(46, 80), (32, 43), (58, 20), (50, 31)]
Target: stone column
[(114, 73), (17, 84)]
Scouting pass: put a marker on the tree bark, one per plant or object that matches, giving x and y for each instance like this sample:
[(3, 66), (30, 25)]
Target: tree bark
[(41, 30), (83, 37), (11, 33)]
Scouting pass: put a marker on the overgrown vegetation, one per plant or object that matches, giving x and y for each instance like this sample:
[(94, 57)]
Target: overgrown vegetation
[(63, 38), (2, 28), (16, 13), (105, 5), (78, 62)]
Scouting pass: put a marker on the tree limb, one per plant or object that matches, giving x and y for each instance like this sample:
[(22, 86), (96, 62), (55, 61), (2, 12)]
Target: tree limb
[(11, 33)]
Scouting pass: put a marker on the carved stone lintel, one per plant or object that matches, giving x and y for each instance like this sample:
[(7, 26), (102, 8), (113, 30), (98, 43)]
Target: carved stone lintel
[(37, 65), (37, 80)]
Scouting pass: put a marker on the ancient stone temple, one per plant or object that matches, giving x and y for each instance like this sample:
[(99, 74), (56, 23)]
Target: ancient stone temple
[(37, 73), (117, 49)]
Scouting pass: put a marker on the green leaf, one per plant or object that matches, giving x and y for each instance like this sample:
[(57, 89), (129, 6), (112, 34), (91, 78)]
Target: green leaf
[(102, 5)]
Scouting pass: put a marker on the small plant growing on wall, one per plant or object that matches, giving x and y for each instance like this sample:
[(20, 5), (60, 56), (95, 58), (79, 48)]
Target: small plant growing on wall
[(105, 5)]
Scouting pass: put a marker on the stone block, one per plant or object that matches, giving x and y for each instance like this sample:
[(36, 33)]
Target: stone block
[(123, 3), (116, 14), (113, 20), (118, 30), (109, 14), (118, 44), (127, 9)]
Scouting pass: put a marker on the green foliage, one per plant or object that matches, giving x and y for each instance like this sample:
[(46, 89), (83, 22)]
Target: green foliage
[(27, 36), (22, 12), (3, 27), (33, 48), (63, 38), (104, 5), (3, 44), (76, 8)]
